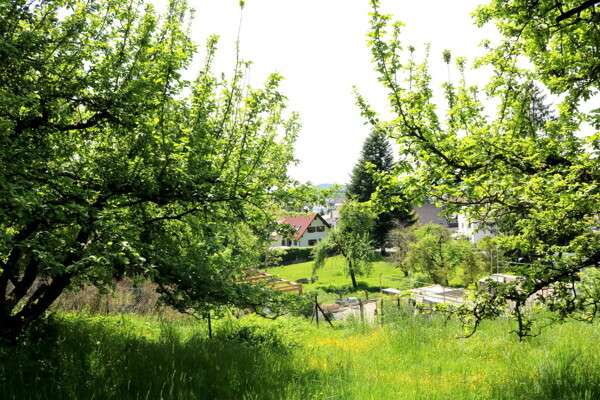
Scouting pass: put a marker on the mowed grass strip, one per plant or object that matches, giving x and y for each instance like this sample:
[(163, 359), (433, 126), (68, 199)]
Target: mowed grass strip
[(333, 274)]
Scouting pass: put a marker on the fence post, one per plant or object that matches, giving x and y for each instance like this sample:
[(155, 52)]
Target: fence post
[(210, 334), (317, 309), (362, 310)]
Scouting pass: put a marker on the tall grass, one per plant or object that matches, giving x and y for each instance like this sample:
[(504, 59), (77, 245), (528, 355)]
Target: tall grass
[(409, 356), (81, 357), (127, 296)]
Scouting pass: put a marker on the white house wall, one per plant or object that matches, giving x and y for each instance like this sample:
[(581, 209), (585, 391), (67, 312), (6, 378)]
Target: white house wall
[(318, 236), (471, 230)]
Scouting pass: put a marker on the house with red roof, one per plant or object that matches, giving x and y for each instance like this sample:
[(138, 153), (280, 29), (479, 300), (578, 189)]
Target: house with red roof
[(305, 230)]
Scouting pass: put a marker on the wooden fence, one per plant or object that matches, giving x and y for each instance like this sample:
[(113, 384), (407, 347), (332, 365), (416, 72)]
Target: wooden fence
[(271, 281)]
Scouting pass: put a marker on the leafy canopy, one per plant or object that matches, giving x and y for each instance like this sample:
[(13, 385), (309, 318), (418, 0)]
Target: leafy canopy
[(377, 158), (351, 239), (532, 174), (435, 253), (112, 164)]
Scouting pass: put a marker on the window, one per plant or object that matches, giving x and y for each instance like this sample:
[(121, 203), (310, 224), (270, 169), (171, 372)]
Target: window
[(312, 242), (311, 229), (320, 229)]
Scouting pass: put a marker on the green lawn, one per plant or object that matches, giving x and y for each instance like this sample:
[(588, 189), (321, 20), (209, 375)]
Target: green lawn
[(333, 275), (332, 278)]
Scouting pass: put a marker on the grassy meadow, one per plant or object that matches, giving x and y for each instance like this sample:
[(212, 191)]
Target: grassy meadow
[(162, 355), (78, 356)]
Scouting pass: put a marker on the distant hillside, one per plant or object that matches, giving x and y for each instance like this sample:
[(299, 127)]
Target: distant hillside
[(329, 185), (341, 193)]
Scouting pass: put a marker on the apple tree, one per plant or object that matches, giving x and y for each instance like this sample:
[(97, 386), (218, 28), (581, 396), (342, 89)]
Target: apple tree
[(111, 163)]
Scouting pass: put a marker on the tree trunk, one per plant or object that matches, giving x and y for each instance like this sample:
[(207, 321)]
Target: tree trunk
[(12, 325), (353, 277), (11, 328)]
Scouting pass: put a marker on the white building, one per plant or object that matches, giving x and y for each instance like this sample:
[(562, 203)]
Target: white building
[(472, 230), (308, 231)]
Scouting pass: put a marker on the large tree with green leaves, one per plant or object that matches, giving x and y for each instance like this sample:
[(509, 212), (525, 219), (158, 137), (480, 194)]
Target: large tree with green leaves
[(377, 157), (536, 179), (111, 163), (435, 253), (351, 239)]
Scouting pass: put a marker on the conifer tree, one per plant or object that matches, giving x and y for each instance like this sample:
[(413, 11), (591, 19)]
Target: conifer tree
[(377, 158)]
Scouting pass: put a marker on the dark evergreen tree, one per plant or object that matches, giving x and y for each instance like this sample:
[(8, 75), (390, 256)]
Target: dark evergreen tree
[(377, 157)]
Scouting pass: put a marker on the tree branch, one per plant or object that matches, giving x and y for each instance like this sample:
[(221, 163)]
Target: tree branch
[(576, 10)]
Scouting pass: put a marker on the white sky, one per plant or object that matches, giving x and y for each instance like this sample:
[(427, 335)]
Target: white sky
[(319, 46)]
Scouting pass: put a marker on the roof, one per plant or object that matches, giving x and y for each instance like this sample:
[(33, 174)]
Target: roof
[(301, 222), (503, 278)]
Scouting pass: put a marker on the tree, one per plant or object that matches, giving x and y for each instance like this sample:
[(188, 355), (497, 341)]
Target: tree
[(560, 38), (351, 239), (113, 164), (376, 158), (492, 254), (535, 179), (401, 238), (438, 255)]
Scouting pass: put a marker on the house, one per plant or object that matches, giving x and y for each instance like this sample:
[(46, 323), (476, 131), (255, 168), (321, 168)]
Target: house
[(331, 205), (474, 231), (431, 214), (459, 224), (332, 218), (307, 230)]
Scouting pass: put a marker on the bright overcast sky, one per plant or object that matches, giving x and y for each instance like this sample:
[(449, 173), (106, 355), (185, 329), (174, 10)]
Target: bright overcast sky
[(319, 46)]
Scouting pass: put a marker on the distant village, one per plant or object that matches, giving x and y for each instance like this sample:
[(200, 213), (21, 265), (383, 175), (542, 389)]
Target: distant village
[(311, 225)]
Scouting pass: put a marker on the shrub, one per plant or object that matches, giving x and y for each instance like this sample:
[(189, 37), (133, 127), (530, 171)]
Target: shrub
[(266, 335), (128, 295), (421, 277), (287, 256), (297, 254)]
